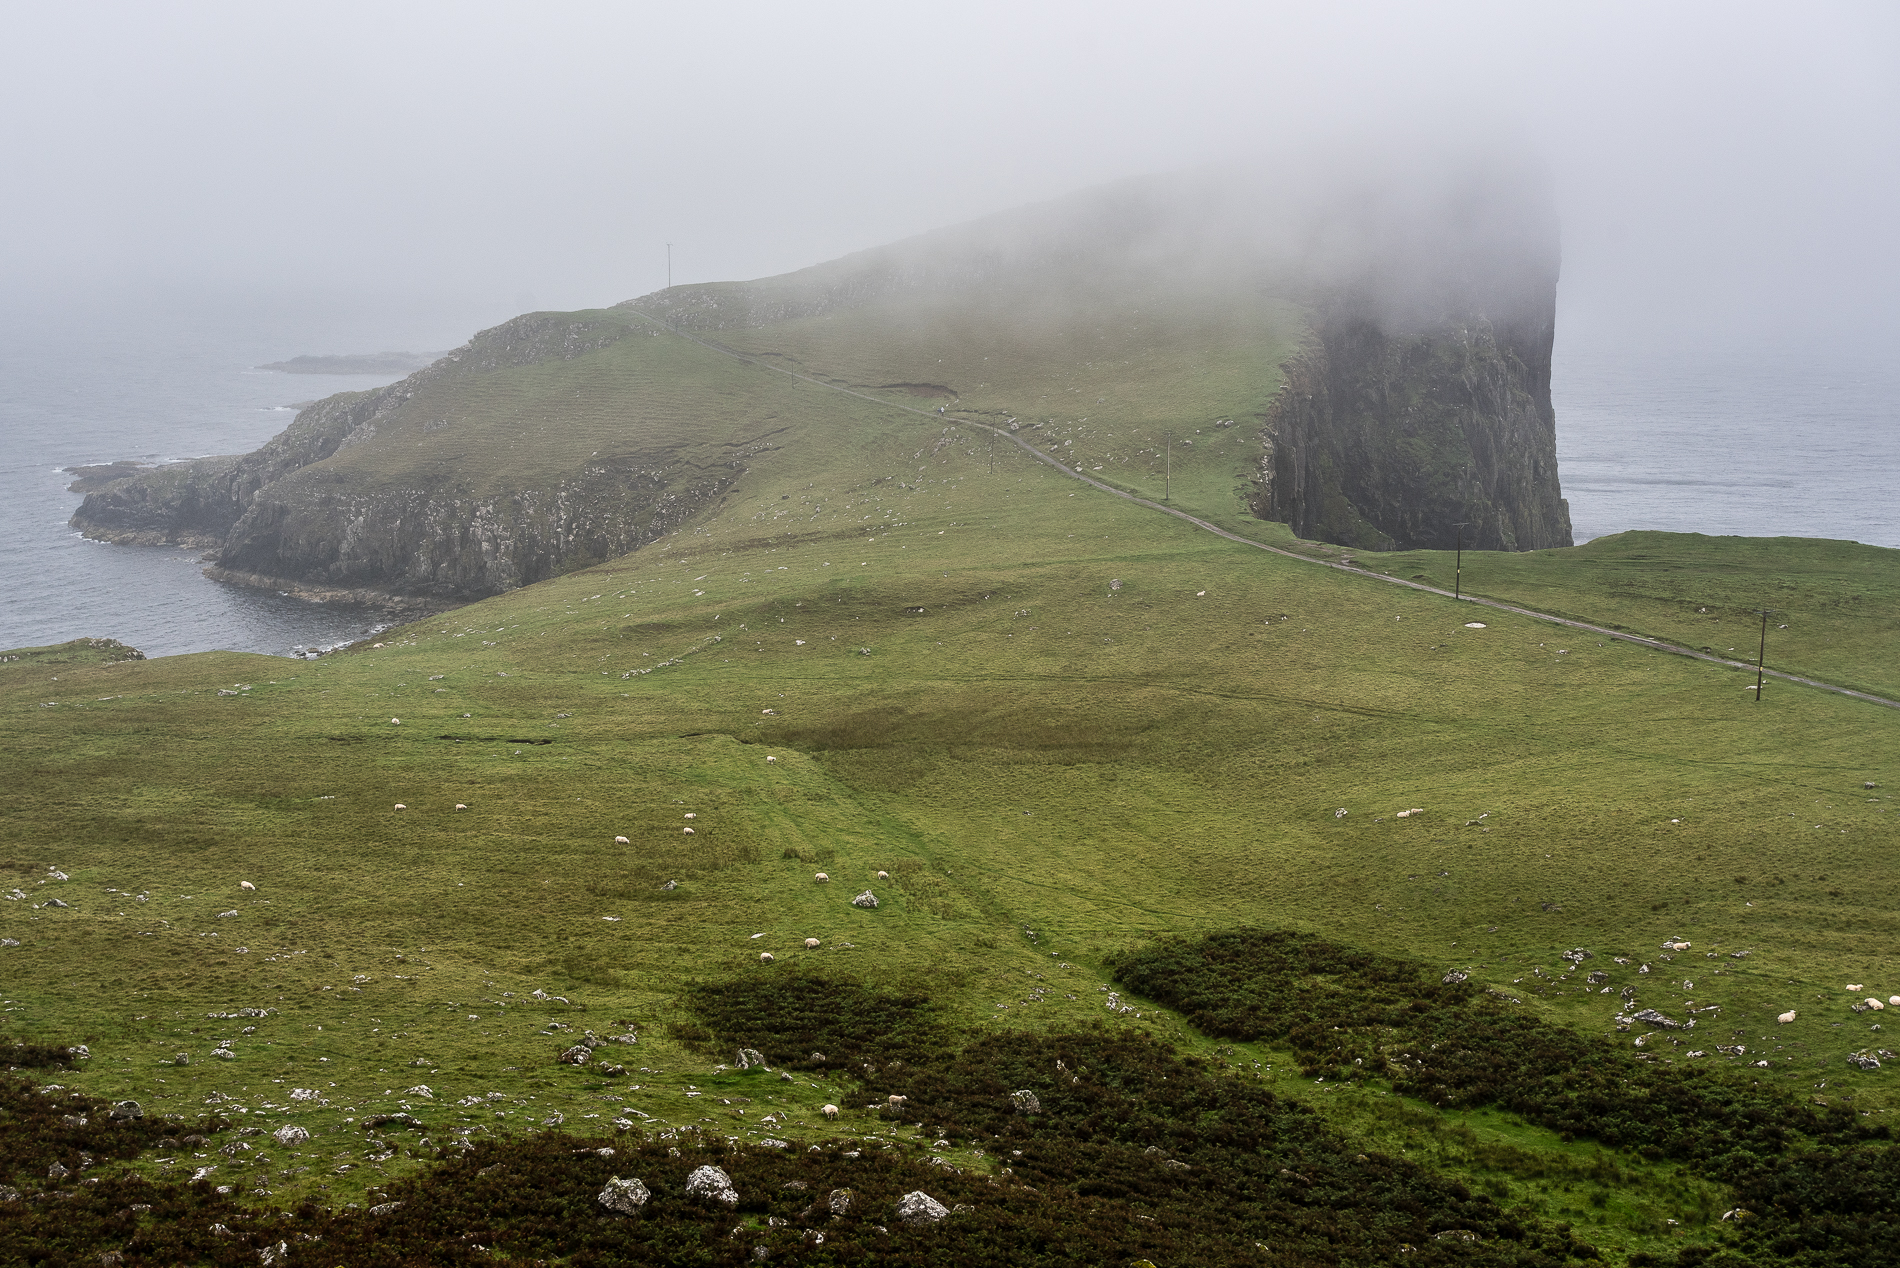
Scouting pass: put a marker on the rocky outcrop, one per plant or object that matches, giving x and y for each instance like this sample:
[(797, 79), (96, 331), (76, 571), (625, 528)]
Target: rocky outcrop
[(286, 518), (1384, 440), (1421, 398)]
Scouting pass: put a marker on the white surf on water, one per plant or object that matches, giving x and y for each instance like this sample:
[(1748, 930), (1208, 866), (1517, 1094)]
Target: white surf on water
[(1710, 437)]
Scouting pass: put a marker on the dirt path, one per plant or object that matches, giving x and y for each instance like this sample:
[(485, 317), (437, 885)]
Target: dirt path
[(1498, 605)]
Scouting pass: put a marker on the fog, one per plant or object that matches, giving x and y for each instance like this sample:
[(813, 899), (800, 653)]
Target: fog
[(1717, 167)]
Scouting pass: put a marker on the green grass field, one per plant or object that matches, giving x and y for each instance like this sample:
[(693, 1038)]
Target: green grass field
[(1062, 725)]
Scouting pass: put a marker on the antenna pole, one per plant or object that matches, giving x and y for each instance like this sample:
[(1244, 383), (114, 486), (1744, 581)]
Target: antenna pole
[(1167, 494), (669, 266), (1761, 654)]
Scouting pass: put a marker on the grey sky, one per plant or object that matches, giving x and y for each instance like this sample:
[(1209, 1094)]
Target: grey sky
[(1733, 163)]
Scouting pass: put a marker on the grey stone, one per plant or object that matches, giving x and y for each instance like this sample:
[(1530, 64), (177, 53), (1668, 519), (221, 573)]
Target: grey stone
[(624, 1196), (866, 900), (271, 1256), (1455, 976), (183, 1058), (918, 1207), (290, 1134), (384, 1208), (1025, 1102), (670, 886), (8, 1193), (749, 1057), (1654, 1018), (710, 1184), (54, 902), (839, 1203), (1863, 1060), (577, 1055), (57, 1172)]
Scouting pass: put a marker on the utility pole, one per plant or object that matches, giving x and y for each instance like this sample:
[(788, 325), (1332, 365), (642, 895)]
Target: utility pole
[(1167, 487), (669, 266), (992, 453), (1761, 654), (1458, 574)]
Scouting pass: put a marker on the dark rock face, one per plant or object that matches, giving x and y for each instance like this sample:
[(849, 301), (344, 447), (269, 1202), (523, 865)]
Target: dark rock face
[(1422, 396), (1387, 441)]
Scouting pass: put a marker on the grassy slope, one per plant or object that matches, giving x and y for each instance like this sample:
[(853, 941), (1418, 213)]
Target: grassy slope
[(1836, 614), (1048, 769)]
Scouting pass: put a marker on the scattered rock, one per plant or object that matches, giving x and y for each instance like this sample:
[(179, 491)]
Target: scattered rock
[(612, 1071), (710, 1184), (1863, 1060), (866, 900), (670, 886), (577, 1055), (625, 1197), (126, 1110), (384, 1208), (1025, 1102), (271, 1256), (1455, 976), (57, 1172), (749, 1057), (918, 1207), (839, 1203), (1654, 1018), (388, 1120), (54, 902), (290, 1134), (183, 1058)]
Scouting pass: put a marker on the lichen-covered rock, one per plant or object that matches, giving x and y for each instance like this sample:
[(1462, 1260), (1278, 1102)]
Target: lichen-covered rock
[(577, 1055), (624, 1196), (918, 1207), (839, 1203), (710, 1184), (1025, 1102), (125, 1111), (866, 900), (749, 1057), (1455, 976)]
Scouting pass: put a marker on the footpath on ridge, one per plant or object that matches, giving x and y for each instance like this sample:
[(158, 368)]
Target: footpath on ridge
[(1653, 644)]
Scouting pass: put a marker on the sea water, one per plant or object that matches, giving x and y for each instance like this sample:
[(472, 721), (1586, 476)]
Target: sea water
[(1706, 436)]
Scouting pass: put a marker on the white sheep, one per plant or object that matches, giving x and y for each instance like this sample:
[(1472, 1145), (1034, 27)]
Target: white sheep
[(460, 806), (622, 841), (811, 944), (771, 759), (830, 1111), (400, 806), (765, 957), (395, 722), (691, 815), (246, 885), (688, 831), (821, 879), (1874, 1003), (1786, 1017), (884, 876), (897, 1102), (1894, 1000)]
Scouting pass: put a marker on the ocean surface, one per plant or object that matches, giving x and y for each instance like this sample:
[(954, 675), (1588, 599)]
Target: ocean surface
[(1711, 436)]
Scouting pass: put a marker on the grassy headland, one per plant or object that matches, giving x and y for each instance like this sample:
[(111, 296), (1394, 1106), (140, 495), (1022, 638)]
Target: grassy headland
[(1061, 725)]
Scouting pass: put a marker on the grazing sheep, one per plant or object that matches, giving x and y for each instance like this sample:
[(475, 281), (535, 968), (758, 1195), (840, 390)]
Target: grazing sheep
[(460, 806), (1894, 1000), (771, 759), (1874, 1003), (622, 841), (897, 1102), (821, 879), (884, 876), (691, 815), (688, 831), (765, 957), (1785, 1018), (246, 885), (400, 806), (811, 944), (395, 722), (830, 1111)]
